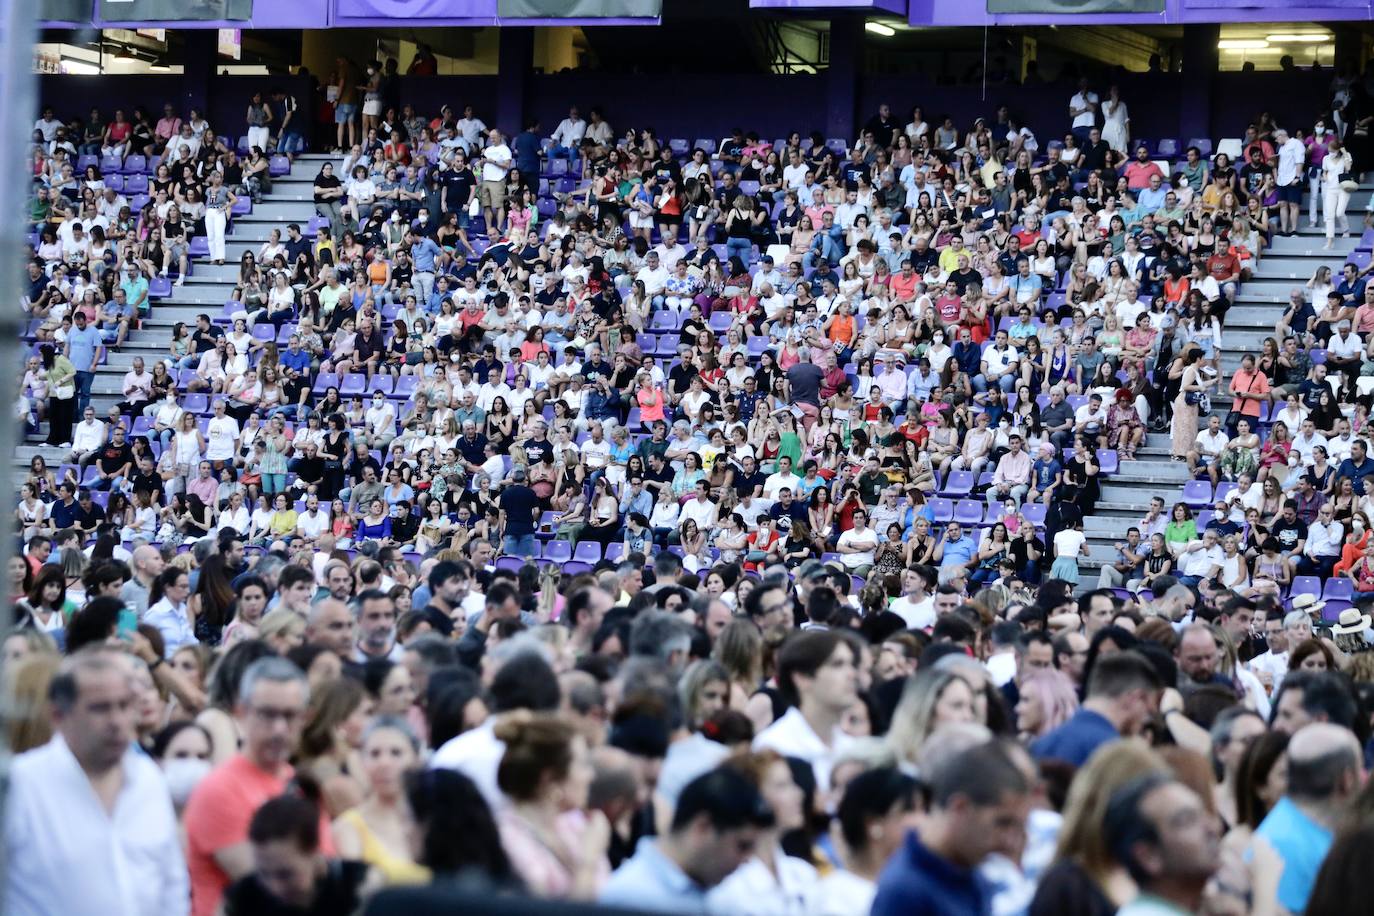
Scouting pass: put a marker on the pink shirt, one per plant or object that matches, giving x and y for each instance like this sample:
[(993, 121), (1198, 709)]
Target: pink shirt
[(546, 871)]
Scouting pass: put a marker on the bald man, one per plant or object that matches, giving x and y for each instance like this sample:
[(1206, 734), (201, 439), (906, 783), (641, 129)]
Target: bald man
[(147, 565), (331, 625), (1325, 772)]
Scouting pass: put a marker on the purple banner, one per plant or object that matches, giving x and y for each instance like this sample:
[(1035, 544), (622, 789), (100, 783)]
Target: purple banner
[(298, 14), (1179, 12), (460, 12), (887, 6)]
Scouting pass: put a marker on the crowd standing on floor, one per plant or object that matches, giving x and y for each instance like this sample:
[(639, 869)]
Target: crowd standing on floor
[(569, 514)]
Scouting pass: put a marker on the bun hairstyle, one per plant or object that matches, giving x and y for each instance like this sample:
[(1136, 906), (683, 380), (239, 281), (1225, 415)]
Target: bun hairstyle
[(537, 745)]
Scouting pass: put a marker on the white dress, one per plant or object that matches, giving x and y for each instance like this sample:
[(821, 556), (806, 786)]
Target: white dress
[(1114, 125)]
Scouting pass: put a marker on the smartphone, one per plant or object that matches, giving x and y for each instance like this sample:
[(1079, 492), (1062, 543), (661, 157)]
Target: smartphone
[(127, 624)]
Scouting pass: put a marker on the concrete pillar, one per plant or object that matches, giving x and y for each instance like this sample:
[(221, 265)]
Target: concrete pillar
[(1350, 45), (515, 61), (842, 77), (1200, 62)]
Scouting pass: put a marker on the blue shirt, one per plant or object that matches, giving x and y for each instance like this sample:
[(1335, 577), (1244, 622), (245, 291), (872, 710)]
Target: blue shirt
[(423, 254), (651, 881), (81, 347), (299, 361), (1303, 844), (958, 553), (917, 880), (1075, 740)]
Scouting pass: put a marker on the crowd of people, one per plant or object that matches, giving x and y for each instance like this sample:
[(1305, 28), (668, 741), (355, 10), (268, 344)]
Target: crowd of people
[(573, 515)]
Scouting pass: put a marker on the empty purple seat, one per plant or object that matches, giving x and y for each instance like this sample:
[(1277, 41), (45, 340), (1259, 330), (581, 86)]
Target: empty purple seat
[(353, 383), (1034, 513), (1338, 588), (159, 288), (513, 564), (200, 246), (136, 164), (588, 552), (1108, 461), (1197, 493), (264, 332), (380, 383), (959, 483), (317, 223), (1224, 489), (615, 551), (243, 145), (243, 205), (110, 164), (968, 512), (85, 162), (1203, 144), (558, 551), (324, 381), (114, 182), (1305, 585), (1167, 148), (406, 386), (136, 184), (278, 166)]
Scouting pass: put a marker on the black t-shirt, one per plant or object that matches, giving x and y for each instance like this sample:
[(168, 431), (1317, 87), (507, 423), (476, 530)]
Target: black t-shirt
[(205, 340), (536, 449), (336, 891), (113, 457), (458, 183), (1095, 155), (1252, 177), (520, 505), (784, 516), (1289, 533), (327, 181), (147, 483), (747, 483), (309, 469)]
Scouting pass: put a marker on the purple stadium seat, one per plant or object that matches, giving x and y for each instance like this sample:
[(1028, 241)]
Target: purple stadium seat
[(380, 383), (588, 552), (278, 166), (136, 185), (508, 562), (1108, 461), (1167, 148), (85, 162), (958, 484), (324, 381), (1034, 513), (316, 224), (1224, 489), (968, 512), (615, 551), (1338, 588), (1197, 493), (110, 164), (243, 205), (1203, 144), (406, 386), (353, 383), (159, 288), (114, 182), (558, 551), (942, 509), (136, 164), (1305, 585)]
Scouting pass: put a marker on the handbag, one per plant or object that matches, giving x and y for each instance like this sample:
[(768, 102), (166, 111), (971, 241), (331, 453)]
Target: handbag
[(1347, 182), (1233, 417)]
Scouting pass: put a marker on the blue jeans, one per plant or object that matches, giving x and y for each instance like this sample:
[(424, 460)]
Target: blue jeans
[(290, 143), (520, 545), (83, 389), (564, 152), (739, 248)]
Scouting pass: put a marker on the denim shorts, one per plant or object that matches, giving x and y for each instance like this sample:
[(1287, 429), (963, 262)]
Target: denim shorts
[(344, 113)]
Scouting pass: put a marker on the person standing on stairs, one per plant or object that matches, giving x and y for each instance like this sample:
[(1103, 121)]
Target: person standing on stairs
[(1336, 185), (219, 201)]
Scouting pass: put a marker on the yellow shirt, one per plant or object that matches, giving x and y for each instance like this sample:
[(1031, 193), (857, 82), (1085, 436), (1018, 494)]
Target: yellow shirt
[(395, 869)]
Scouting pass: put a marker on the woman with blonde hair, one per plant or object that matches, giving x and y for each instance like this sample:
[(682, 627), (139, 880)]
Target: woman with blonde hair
[(932, 698), (1086, 879), (30, 716), (739, 651), (704, 690)]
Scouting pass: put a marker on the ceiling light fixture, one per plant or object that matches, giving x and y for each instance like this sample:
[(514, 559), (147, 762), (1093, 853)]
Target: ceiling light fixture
[(1242, 44), (877, 28), (1309, 38)]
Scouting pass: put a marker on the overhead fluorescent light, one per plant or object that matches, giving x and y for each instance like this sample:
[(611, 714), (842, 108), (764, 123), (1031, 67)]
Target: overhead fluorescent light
[(1288, 39), (1255, 52), (79, 67), (1242, 44), (877, 28)]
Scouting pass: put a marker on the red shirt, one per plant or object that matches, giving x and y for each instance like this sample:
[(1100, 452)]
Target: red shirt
[(217, 817), (1223, 266)]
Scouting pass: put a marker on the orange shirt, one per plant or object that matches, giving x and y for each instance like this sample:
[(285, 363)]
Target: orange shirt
[(841, 329), (217, 817)]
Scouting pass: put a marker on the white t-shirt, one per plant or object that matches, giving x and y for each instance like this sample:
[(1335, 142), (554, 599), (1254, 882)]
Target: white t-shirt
[(868, 538), (918, 614), (497, 162), (1081, 100), (219, 438)]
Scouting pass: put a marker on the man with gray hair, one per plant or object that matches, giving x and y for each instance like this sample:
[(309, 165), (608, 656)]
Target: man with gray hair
[(147, 565), (89, 825), (271, 712), (1325, 773), (662, 636)]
